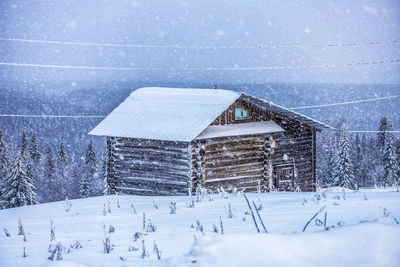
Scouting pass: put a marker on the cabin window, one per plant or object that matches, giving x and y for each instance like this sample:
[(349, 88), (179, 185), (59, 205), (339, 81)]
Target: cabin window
[(241, 113)]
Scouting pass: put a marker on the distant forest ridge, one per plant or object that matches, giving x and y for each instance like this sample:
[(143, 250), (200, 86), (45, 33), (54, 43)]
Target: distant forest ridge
[(97, 98)]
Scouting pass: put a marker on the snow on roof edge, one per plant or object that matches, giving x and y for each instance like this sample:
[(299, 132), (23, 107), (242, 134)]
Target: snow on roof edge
[(298, 116), (237, 129)]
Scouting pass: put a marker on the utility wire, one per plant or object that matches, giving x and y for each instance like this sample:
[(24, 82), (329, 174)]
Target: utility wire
[(201, 69), (396, 42), (51, 116), (395, 131), (347, 103), (103, 116)]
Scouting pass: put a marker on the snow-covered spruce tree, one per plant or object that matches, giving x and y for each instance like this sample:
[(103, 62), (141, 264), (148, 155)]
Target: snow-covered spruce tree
[(34, 152), (109, 184), (390, 163), (76, 177), (18, 189), (381, 135), (331, 165), (51, 183), (398, 163), (84, 188), (24, 145), (63, 171), (344, 175), (33, 165), (358, 160), (89, 177), (364, 174), (4, 159)]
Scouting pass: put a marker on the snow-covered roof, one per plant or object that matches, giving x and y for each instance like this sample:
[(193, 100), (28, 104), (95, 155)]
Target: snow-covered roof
[(181, 114), (175, 114), (248, 128)]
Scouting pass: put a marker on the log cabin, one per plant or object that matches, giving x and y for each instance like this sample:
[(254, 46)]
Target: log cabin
[(170, 141)]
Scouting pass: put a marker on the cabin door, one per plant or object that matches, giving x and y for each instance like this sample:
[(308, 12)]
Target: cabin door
[(283, 177)]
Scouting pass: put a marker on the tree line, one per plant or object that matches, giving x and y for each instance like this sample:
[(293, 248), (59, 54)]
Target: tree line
[(354, 162), (28, 177)]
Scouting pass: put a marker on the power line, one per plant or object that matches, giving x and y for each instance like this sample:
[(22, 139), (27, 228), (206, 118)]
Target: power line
[(51, 116), (396, 42), (395, 131), (103, 116), (200, 69), (347, 103)]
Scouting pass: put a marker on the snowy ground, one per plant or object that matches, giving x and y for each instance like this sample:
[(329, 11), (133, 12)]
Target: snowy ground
[(361, 236)]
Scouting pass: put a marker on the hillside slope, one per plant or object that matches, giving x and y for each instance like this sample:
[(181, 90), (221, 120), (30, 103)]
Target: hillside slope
[(358, 224)]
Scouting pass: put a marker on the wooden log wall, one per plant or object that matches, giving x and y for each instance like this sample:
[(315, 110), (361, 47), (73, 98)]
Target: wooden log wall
[(299, 152), (151, 167), (110, 167), (230, 162), (297, 142)]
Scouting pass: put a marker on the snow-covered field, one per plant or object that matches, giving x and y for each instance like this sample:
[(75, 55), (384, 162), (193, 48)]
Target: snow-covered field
[(359, 232)]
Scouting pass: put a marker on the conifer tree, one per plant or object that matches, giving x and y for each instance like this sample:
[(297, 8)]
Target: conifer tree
[(18, 189), (4, 162), (365, 165), (381, 136), (24, 145), (34, 150), (4, 158), (398, 163), (62, 168), (77, 176), (331, 164), (84, 188), (363, 144), (389, 157), (50, 177), (358, 159), (88, 183), (344, 175), (91, 158), (109, 183)]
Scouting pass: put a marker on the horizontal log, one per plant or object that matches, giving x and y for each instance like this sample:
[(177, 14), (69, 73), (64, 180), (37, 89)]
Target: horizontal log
[(151, 165), (233, 151), (235, 180), (154, 180), (236, 166), (151, 185), (239, 173), (153, 161), (166, 150), (150, 192), (238, 144), (150, 175), (227, 140), (236, 156), (233, 161), (145, 142), (150, 170), (123, 152)]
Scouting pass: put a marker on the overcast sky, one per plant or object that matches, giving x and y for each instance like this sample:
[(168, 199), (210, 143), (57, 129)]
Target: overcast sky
[(201, 23)]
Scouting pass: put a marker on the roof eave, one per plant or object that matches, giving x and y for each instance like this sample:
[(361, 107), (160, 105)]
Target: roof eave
[(319, 126)]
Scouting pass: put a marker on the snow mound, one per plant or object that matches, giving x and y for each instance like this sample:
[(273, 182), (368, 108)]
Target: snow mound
[(378, 243)]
